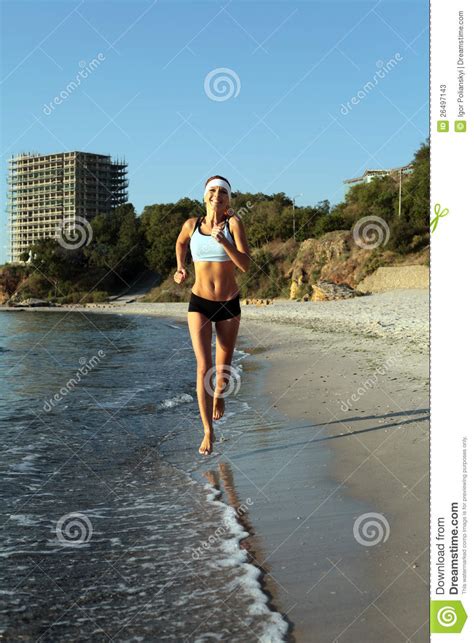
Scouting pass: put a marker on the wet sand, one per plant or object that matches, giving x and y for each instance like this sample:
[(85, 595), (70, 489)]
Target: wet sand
[(322, 465)]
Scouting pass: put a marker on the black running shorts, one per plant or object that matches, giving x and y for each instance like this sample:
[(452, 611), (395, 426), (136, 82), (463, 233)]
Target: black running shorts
[(214, 310)]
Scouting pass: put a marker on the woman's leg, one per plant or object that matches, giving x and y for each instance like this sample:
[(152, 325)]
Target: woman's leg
[(200, 329), (226, 336)]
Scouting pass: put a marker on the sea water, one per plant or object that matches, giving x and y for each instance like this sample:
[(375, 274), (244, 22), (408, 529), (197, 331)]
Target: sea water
[(107, 531)]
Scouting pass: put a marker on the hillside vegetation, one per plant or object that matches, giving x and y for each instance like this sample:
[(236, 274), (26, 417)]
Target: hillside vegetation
[(122, 244)]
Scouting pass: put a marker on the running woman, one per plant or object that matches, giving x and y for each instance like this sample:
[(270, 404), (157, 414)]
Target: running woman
[(218, 245)]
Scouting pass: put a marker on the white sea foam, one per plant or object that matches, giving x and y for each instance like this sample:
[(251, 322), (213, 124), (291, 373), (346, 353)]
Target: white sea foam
[(184, 398), (122, 401), (171, 325), (225, 418), (234, 555), (21, 448), (25, 520), (25, 466), (239, 355), (243, 407)]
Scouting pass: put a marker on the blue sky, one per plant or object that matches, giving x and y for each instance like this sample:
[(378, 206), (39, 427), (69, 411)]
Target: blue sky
[(289, 67)]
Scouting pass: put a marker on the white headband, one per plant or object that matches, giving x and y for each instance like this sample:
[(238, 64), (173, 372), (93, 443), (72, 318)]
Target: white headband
[(218, 182)]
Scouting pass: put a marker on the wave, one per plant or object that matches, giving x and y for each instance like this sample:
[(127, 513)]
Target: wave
[(235, 556), (170, 403)]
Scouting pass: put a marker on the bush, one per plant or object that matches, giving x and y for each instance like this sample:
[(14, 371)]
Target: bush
[(35, 286), (76, 298), (99, 296), (263, 278), (330, 223)]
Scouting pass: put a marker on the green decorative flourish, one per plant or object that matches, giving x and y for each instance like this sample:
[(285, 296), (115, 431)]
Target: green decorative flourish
[(439, 214)]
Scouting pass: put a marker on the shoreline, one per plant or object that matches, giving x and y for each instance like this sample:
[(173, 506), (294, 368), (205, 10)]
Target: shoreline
[(312, 467)]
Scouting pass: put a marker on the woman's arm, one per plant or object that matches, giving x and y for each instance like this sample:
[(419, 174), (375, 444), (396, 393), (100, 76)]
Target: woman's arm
[(240, 253), (182, 244)]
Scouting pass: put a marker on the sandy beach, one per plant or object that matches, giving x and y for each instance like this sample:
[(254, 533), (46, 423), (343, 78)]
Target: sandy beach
[(339, 393), (339, 457)]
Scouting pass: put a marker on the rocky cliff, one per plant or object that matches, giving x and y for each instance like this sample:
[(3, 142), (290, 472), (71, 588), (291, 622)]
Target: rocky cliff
[(335, 258)]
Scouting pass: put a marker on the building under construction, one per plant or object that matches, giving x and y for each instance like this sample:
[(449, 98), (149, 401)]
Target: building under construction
[(47, 192)]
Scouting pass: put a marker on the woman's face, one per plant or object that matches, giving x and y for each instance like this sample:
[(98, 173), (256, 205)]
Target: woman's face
[(217, 198)]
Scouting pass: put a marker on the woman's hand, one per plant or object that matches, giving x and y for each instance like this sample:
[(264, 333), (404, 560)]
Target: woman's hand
[(217, 232), (180, 275)]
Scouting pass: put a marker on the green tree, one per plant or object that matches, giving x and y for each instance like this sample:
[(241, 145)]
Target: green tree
[(160, 226), (411, 231), (117, 243)]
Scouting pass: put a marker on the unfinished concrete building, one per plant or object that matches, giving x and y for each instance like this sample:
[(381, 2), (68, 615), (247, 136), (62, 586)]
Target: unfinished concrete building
[(48, 191)]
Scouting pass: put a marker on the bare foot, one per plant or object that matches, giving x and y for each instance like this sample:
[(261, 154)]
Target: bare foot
[(219, 408), (206, 444)]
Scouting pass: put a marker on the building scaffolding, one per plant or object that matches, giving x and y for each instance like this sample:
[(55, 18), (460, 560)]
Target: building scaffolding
[(48, 191)]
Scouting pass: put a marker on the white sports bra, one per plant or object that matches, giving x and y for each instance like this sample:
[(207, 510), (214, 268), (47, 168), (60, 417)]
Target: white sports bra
[(205, 248)]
